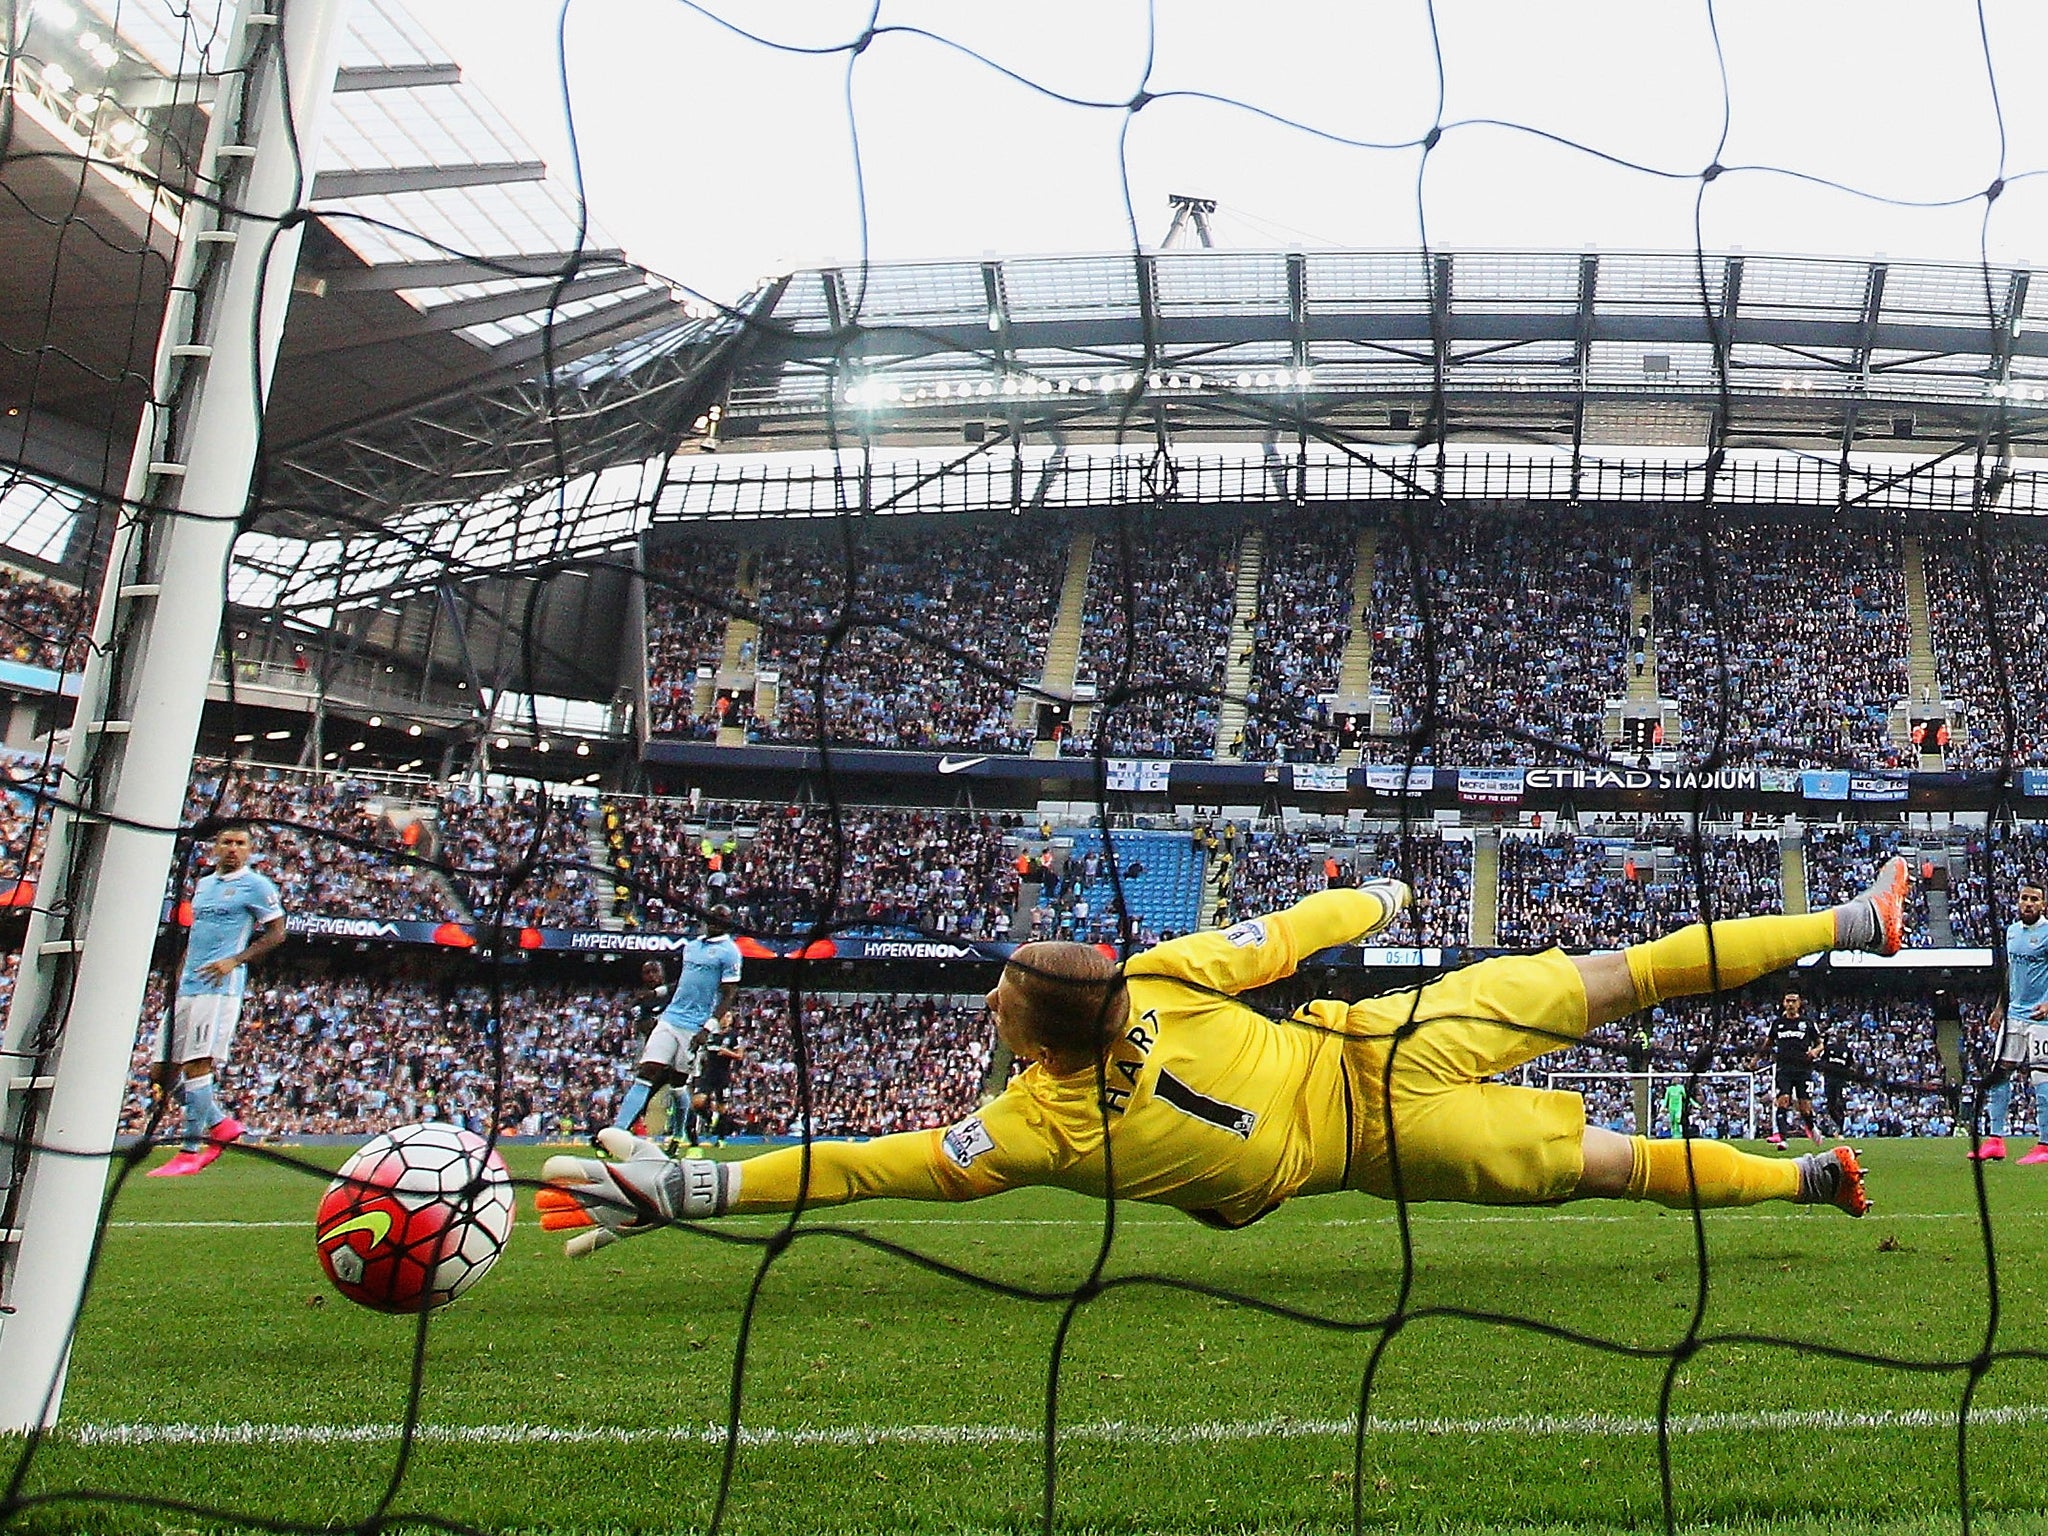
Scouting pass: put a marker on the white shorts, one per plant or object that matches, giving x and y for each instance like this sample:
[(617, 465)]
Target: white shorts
[(203, 1025), (670, 1047), (2037, 1053)]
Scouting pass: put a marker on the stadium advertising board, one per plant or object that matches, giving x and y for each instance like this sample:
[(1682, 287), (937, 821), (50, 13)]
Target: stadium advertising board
[(1817, 784), (1397, 780), (589, 941), (1871, 786), (1600, 777), (1320, 778), (2034, 783), (1137, 775), (1491, 786)]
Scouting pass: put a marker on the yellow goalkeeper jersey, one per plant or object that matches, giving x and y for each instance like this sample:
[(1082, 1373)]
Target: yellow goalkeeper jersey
[(1208, 1105)]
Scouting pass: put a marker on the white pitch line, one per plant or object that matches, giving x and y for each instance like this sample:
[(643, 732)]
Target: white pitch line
[(825, 1217), (1118, 1432)]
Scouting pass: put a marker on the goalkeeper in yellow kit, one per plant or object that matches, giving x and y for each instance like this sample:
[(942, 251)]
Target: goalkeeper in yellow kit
[(1151, 1080)]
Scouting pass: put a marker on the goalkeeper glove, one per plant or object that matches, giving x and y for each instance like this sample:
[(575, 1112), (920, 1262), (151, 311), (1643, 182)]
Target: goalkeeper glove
[(637, 1192)]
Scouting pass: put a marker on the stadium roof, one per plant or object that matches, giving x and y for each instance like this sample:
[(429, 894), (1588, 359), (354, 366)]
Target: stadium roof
[(441, 250), (473, 379), (1554, 347), (961, 385)]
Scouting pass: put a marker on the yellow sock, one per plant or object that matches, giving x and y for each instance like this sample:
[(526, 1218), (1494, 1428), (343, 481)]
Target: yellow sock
[(1723, 1175), (1682, 965)]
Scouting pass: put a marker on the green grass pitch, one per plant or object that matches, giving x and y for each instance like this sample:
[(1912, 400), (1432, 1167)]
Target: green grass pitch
[(879, 1396)]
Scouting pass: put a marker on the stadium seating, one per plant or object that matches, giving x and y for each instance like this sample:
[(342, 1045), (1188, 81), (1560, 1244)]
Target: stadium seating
[(1161, 884), (1963, 644), (1842, 861), (1891, 1042), (1587, 890), (43, 623), (893, 869), (322, 1054), (1527, 616), (1296, 645), (1814, 637)]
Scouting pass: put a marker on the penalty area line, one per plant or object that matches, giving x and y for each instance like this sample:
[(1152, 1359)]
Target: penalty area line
[(1118, 1432)]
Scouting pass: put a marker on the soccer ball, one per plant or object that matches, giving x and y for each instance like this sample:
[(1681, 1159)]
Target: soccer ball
[(414, 1218)]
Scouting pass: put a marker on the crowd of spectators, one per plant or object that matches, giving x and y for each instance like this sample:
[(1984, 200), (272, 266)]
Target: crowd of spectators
[(1842, 861), (1814, 635), (1529, 616), (1986, 871), (1899, 1086), (354, 1054), (484, 840), (22, 829), (1264, 870), (878, 1063), (333, 845), (928, 870), (946, 621), (684, 632), (1963, 654), (1591, 889), (1078, 898), (1805, 630), (1166, 612), (43, 623), (1296, 643)]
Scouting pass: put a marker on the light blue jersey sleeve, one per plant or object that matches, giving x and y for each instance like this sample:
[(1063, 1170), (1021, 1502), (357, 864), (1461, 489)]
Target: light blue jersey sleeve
[(226, 912), (708, 964)]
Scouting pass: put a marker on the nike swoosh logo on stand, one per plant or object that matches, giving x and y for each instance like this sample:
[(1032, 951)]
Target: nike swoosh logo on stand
[(951, 764)]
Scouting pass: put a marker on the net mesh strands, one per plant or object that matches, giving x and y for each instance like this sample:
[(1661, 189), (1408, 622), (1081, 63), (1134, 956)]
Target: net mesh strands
[(836, 603)]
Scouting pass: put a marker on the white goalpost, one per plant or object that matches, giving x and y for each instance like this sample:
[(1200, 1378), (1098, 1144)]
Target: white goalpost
[(1743, 1084), (69, 1031)]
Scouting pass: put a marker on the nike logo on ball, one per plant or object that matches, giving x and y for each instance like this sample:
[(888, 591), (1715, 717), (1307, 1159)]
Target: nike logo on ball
[(376, 1223), (951, 764)]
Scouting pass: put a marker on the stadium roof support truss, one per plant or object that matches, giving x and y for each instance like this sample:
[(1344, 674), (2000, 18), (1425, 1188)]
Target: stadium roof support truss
[(1551, 371), (1519, 344)]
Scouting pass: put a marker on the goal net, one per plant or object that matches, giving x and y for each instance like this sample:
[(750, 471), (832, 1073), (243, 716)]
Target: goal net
[(1591, 592)]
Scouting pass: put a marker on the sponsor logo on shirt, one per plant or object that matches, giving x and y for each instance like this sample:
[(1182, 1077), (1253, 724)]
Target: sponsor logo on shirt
[(968, 1140), (1245, 935)]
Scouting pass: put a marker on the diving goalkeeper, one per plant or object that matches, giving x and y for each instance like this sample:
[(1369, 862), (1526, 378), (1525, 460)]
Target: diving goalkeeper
[(1153, 1076)]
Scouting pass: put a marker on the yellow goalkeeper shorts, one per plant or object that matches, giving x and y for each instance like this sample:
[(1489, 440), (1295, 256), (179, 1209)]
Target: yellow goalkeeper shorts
[(1428, 1052)]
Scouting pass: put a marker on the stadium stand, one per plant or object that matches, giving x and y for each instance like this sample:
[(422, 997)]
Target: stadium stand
[(1843, 860), (318, 836), (977, 599), (43, 623), (1595, 889), (923, 870), (2017, 854), (1175, 635), (1814, 637), (1296, 643), (486, 839), (351, 1055), (1160, 879), (684, 633), (1966, 665), (1271, 869), (1529, 616)]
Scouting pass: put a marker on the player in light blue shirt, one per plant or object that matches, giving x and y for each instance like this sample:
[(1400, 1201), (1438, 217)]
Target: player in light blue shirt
[(236, 919), (704, 991), (2021, 1024)]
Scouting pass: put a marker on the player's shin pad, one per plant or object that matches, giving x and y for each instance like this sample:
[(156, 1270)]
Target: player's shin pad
[(637, 1192)]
